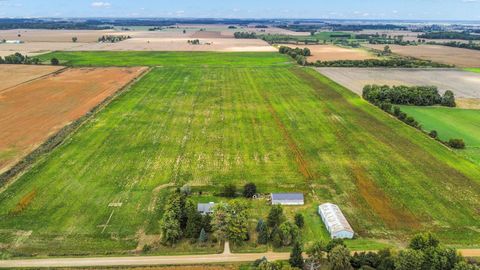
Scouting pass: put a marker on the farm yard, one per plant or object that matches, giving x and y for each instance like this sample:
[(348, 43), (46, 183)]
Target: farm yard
[(208, 119), (33, 111), (441, 54), (11, 75), (465, 85), (451, 123)]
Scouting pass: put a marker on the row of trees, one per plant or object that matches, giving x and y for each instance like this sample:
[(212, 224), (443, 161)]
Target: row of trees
[(408, 95), (193, 42), (245, 35), (456, 44), (298, 54), (449, 35), (423, 253), (396, 62), (18, 58), (112, 39), (279, 231)]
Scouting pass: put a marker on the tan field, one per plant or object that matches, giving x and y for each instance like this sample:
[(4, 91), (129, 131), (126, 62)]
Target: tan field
[(465, 85), (332, 53), (11, 75), (31, 112), (442, 54), (39, 35), (36, 48)]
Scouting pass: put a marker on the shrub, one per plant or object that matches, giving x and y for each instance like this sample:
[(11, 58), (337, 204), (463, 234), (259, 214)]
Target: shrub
[(433, 134), (249, 190), (54, 61), (456, 143), (230, 191)]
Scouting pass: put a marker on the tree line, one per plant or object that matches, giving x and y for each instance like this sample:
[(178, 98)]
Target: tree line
[(18, 58), (112, 38), (424, 252), (385, 104), (300, 55), (408, 95), (245, 35), (449, 35), (457, 44)]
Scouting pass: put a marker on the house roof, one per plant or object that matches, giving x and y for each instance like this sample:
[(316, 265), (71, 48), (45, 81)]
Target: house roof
[(287, 196), (205, 207), (334, 218)]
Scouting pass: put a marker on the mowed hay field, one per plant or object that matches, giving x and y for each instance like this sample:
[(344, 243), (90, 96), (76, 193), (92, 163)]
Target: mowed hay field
[(33, 111), (451, 123), (283, 128), (441, 54), (11, 75)]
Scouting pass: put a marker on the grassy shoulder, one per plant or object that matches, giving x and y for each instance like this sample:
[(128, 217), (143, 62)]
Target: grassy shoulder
[(451, 123), (477, 70), (179, 59)]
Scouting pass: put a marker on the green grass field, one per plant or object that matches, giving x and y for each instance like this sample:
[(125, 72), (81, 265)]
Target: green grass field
[(283, 128), (184, 59), (451, 123), (477, 70)]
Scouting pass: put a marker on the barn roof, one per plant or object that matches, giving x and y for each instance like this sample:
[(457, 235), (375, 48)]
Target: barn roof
[(287, 196), (334, 218)]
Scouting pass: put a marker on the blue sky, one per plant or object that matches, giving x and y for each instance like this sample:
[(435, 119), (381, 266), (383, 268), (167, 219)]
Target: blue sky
[(336, 9)]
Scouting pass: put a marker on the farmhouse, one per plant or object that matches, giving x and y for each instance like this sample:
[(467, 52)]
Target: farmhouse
[(287, 198), (205, 208), (335, 222)]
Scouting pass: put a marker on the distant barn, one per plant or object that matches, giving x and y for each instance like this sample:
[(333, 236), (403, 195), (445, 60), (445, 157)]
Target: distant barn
[(336, 223), (287, 198)]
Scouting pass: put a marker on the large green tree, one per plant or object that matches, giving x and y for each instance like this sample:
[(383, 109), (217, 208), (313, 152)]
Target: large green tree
[(339, 258)]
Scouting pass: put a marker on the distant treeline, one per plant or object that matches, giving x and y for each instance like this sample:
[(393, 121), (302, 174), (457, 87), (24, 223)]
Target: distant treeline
[(42, 24), (245, 35), (456, 44), (449, 35), (387, 39), (408, 95), (358, 27), (396, 62), (18, 58), (112, 39)]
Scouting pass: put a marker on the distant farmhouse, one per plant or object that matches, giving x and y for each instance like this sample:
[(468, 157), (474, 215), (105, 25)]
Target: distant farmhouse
[(205, 208), (287, 198), (336, 223)]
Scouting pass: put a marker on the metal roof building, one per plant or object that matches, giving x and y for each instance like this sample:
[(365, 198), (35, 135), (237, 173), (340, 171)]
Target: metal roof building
[(287, 198), (205, 208), (335, 222)]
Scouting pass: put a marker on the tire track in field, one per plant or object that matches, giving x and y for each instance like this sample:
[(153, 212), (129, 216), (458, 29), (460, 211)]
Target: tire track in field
[(302, 163)]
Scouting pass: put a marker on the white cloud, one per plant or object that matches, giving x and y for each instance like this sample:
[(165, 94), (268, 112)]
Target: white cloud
[(101, 4)]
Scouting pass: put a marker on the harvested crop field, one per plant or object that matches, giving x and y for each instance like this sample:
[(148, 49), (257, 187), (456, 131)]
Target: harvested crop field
[(441, 54), (36, 48), (284, 128), (31, 112), (332, 53), (463, 83), (44, 35), (11, 75)]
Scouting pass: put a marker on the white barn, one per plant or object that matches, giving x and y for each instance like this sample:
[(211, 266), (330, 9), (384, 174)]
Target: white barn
[(335, 222), (287, 198)]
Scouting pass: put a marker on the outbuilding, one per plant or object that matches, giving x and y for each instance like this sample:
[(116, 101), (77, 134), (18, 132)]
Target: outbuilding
[(205, 208), (287, 198), (335, 222)]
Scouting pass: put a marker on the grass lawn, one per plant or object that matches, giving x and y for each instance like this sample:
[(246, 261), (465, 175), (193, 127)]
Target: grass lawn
[(451, 123), (283, 128), (184, 59), (473, 69)]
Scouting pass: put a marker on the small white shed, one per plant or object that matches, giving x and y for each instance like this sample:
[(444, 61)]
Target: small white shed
[(205, 208), (287, 198), (335, 222)]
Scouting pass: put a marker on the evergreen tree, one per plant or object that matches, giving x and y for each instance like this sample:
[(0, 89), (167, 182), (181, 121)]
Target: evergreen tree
[(296, 259), (194, 220), (203, 236), (262, 231), (299, 220), (275, 216), (339, 258), (249, 190)]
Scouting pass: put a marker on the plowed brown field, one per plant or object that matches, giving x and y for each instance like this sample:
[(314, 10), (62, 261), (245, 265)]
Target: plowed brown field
[(31, 112), (11, 75)]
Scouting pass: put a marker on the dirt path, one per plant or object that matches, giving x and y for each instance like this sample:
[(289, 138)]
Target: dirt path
[(162, 260)]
